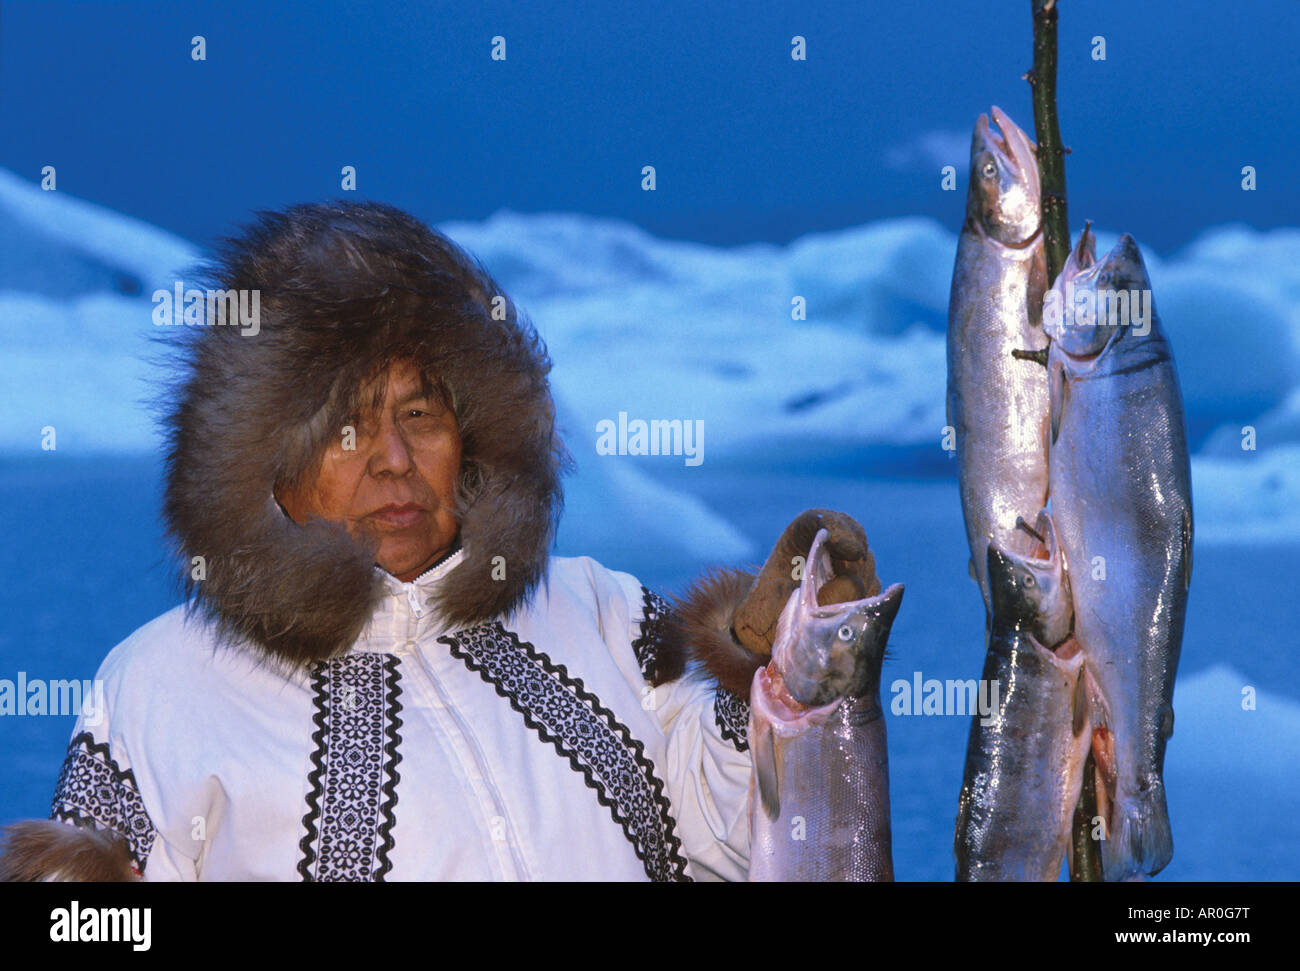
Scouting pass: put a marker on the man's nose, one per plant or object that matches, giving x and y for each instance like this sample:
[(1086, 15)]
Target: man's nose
[(390, 453)]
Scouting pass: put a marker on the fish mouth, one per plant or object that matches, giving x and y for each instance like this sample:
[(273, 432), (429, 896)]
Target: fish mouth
[(818, 571), (1122, 264), (1040, 547), (1005, 208), (1043, 532), (1083, 341), (1016, 148), (1122, 270), (1012, 148), (1030, 583), (825, 654), (1082, 262)]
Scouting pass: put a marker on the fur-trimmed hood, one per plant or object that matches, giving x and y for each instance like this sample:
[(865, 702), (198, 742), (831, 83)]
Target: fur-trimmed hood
[(344, 289)]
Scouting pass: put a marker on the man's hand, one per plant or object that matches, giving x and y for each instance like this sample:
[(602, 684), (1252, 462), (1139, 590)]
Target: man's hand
[(855, 574)]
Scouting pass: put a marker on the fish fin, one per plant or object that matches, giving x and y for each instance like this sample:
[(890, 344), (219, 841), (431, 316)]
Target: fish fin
[(1097, 707), (1141, 843), (1187, 549), (1080, 705), (763, 747), (1058, 392)]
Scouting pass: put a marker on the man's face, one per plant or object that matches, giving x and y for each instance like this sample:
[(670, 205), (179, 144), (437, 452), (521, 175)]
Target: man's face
[(398, 485)]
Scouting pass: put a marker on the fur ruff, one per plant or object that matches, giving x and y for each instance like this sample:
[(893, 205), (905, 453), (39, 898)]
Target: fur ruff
[(347, 288), (43, 850), (703, 624)]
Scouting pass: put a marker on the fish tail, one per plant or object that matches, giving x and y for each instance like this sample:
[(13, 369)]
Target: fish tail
[(1140, 842)]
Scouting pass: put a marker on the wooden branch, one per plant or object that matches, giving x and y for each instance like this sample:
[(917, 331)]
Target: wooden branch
[(1085, 862), (1085, 859), (1047, 131)]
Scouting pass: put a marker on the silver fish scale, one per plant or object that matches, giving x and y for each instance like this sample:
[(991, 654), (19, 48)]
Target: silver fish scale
[(1121, 492), (834, 817), (1023, 770), (997, 404)]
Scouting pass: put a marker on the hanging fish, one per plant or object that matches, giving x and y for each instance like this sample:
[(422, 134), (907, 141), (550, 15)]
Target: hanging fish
[(1024, 763), (997, 404), (1122, 501)]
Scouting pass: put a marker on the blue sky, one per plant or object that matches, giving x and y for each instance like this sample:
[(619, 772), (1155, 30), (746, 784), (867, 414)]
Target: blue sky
[(747, 143)]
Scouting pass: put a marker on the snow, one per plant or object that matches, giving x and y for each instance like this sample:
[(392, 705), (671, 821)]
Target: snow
[(1232, 796), (58, 239), (1248, 499), (664, 329)]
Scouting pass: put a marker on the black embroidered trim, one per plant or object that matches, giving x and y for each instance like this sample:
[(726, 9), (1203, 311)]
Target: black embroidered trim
[(391, 776), (94, 791), (559, 708), (731, 712), (354, 766), (308, 842), (654, 622)]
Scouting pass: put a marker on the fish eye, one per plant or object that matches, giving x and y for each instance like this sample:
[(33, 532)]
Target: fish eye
[(1029, 580), (845, 633), (989, 170)]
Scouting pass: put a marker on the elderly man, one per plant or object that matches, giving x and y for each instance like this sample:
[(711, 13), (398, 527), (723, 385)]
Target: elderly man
[(381, 673)]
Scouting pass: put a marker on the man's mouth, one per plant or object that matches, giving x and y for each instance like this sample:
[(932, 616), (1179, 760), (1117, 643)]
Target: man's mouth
[(397, 516)]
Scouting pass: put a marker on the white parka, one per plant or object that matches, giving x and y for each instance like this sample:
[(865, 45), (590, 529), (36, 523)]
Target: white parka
[(529, 748)]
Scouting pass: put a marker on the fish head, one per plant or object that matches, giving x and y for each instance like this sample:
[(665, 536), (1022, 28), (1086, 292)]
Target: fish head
[(1031, 591), (1092, 303), (827, 653), (1123, 267), (1003, 198)]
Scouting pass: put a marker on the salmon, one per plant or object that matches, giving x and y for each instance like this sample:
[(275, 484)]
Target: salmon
[(819, 792), (1122, 501), (997, 404), (1024, 763)]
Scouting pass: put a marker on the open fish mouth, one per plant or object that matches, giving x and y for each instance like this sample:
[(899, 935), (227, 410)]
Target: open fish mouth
[(1085, 333), (1016, 148), (1030, 584), (1081, 264), (828, 652), (1011, 147), (1004, 197), (819, 571)]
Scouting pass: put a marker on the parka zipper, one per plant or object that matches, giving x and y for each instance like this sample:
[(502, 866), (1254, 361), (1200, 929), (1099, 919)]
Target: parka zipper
[(475, 753)]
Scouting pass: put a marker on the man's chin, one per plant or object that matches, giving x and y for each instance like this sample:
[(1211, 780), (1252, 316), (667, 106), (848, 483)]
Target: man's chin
[(406, 565)]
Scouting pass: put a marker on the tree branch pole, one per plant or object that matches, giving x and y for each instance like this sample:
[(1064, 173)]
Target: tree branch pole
[(1085, 862), (1047, 132)]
